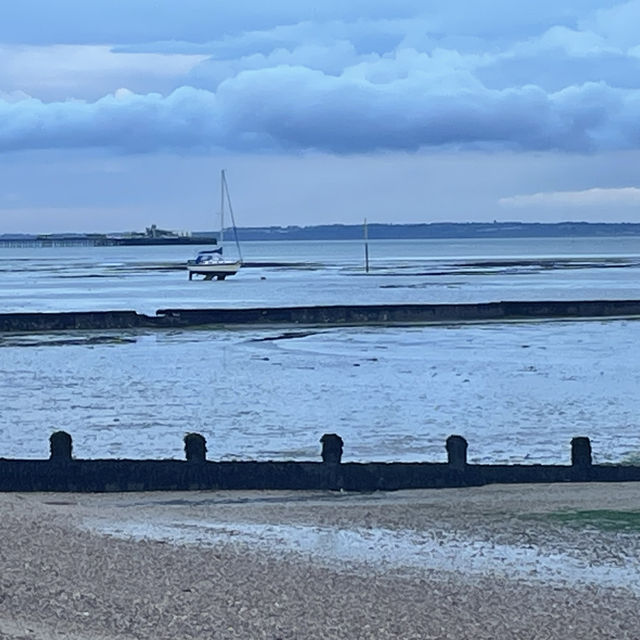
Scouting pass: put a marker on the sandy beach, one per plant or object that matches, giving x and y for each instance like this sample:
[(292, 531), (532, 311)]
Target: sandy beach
[(546, 561)]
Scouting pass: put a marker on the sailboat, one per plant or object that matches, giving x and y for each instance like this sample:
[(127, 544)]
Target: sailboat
[(211, 263)]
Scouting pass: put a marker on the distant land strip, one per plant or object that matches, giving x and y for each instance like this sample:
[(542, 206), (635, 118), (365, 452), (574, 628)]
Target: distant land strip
[(435, 230), (334, 315), (376, 231)]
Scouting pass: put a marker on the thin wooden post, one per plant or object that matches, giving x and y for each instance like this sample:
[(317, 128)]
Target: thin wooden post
[(366, 247)]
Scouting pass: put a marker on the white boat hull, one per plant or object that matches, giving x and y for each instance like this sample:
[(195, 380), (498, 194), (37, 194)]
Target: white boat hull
[(219, 270)]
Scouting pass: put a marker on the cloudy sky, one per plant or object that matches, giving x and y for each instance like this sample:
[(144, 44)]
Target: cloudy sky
[(114, 115)]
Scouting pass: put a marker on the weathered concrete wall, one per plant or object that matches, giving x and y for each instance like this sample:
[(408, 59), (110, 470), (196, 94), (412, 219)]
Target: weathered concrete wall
[(402, 313), (63, 473), (319, 315), (75, 320)]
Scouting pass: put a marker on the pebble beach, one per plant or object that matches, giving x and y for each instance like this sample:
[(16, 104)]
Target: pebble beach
[(538, 561)]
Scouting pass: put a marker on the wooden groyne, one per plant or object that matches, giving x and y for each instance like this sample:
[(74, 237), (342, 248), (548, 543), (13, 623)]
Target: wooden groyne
[(327, 315), (61, 472)]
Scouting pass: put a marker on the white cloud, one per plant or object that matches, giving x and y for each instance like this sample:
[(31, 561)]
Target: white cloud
[(13, 96), (87, 71), (617, 23), (596, 197)]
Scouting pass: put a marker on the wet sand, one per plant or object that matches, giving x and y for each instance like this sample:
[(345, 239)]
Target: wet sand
[(547, 561)]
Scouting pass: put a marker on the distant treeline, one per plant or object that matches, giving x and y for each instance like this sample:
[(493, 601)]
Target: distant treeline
[(440, 230)]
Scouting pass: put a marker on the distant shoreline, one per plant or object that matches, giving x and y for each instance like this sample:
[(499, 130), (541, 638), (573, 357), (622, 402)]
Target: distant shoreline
[(441, 230), (375, 231)]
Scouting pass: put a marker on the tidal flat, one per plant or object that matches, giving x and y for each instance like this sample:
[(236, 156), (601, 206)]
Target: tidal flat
[(518, 392)]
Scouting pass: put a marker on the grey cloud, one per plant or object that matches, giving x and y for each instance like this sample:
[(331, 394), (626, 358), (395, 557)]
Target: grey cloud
[(286, 108), (553, 58), (129, 122), (198, 21), (135, 21), (364, 34), (399, 75)]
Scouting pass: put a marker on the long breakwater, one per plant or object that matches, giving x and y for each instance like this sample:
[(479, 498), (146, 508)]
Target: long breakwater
[(332, 315)]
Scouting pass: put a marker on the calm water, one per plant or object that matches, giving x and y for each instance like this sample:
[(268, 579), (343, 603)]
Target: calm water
[(149, 278), (517, 391)]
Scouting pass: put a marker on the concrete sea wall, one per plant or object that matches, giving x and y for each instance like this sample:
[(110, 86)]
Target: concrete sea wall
[(61, 472), (320, 315)]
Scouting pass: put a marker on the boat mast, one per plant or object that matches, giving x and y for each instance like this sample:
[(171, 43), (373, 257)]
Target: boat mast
[(233, 220), (222, 185)]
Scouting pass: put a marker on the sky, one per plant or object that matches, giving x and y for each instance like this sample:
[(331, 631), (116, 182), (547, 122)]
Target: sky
[(117, 115)]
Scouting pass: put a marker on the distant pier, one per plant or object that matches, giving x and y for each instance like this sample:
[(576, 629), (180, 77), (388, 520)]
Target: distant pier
[(100, 240)]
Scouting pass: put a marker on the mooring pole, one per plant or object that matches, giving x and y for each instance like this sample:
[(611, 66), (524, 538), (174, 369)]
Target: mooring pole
[(366, 247)]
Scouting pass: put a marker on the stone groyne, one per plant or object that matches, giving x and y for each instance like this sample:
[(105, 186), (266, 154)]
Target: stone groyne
[(331, 315), (61, 472)]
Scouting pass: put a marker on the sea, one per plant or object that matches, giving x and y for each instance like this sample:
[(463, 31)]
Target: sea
[(517, 391)]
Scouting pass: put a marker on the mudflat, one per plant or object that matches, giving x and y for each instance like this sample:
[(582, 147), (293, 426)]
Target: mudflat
[(535, 561)]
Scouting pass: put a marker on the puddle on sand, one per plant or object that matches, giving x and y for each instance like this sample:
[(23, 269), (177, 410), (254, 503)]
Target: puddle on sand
[(380, 549)]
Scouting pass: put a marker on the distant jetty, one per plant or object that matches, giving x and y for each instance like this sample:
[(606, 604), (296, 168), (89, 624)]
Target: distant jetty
[(151, 236), (437, 230)]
